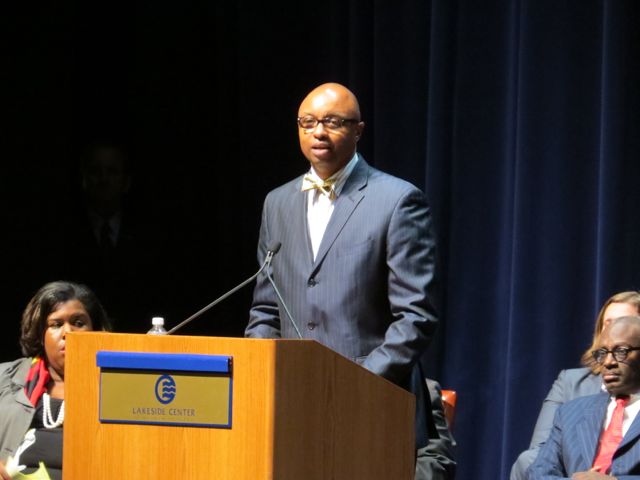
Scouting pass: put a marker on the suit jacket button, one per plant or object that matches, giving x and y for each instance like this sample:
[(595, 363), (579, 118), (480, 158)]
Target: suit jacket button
[(312, 282), (311, 326)]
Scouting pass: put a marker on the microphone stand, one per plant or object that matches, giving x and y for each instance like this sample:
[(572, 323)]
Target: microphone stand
[(267, 262), (284, 305)]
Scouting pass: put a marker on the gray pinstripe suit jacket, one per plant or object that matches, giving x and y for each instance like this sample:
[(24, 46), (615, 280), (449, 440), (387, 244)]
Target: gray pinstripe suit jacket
[(367, 294), (572, 445)]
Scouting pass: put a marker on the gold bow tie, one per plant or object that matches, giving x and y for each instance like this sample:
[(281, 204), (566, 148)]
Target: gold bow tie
[(325, 186)]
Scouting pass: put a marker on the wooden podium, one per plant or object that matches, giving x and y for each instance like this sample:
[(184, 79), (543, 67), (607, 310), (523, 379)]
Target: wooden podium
[(299, 411)]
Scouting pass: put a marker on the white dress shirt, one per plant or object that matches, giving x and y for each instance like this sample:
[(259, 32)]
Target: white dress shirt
[(320, 206)]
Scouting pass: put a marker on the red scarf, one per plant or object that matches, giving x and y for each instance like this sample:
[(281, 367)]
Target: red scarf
[(37, 380)]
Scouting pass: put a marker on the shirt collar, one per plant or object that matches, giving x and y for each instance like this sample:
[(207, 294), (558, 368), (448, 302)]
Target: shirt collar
[(633, 397), (97, 220)]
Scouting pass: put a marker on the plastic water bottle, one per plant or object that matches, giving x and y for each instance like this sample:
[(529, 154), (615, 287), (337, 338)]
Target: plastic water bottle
[(157, 326)]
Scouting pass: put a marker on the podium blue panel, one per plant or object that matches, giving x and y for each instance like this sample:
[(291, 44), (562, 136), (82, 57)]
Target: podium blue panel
[(164, 361)]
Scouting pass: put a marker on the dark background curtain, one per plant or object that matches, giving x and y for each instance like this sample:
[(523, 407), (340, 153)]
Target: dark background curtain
[(520, 119)]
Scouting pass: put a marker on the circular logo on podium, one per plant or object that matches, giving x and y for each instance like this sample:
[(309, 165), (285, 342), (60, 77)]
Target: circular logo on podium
[(165, 389)]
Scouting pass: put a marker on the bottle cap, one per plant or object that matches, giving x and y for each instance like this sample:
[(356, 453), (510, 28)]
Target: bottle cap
[(157, 321)]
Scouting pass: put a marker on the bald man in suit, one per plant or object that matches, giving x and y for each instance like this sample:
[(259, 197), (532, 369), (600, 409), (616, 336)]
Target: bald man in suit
[(575, 449), (356, 264)]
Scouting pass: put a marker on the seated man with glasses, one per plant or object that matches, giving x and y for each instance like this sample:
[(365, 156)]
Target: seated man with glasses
[(598, 436)]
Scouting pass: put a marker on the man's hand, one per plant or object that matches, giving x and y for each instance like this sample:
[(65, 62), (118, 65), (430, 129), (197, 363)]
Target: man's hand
[(3, 472), (592, 474)]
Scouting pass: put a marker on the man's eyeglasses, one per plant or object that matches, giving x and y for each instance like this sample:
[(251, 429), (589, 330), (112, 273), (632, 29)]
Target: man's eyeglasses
[(332, 122), (619, 353)]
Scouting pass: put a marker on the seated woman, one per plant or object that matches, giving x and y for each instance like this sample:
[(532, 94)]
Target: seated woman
[(32, 388), (575, 382)]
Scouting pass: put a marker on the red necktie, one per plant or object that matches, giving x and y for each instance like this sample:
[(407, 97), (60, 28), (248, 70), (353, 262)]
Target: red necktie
[(611, 437)]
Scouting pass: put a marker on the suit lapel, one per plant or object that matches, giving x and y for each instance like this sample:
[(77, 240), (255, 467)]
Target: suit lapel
[(632, 433), (19, 384), (301, 224), (590, 426), (351, 195)]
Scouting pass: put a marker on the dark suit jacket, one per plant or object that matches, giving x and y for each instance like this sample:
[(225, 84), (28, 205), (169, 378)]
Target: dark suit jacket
[(572, 445), (436, 460), (126, 277), (570, 384), (366, 295)]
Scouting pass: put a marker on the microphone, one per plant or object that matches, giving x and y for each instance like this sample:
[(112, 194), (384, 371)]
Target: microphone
[(271, 251), (284, 305)]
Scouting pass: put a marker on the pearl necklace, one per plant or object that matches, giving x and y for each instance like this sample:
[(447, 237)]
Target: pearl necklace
[(47, 417)]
